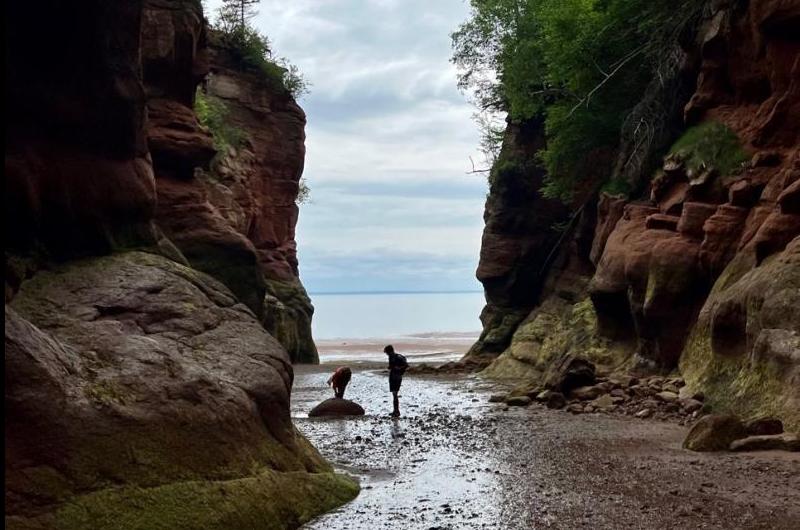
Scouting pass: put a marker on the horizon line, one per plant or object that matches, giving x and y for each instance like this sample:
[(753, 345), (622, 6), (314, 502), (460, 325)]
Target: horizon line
[(316, 293)]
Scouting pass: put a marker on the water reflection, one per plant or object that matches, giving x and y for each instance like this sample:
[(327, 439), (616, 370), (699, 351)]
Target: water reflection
[(433, 467)]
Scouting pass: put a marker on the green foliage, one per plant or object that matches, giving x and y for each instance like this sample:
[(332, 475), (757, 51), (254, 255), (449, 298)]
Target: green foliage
[(506, 170), (253, 50), (212, 114), (713, 145), (581, 64)]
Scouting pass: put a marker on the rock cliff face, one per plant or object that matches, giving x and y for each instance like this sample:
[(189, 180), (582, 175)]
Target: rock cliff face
[(519, 235), (233, 219), (700, 273), (78, 176), (255, 186), (142, 389)]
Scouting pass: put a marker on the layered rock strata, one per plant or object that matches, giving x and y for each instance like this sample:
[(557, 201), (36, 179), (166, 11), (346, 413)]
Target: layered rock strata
[(699, 274), (234, 218)]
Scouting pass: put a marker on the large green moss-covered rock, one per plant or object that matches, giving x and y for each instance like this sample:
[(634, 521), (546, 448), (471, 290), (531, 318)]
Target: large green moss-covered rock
[(287, 316), (744, 351), (553, 331), (714, 433), (141, 391)]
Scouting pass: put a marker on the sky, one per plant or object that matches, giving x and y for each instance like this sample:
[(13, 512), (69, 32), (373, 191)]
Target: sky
[(389, 140)]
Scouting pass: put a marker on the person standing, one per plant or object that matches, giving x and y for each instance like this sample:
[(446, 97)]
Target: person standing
[(397, 367), (339, 380)]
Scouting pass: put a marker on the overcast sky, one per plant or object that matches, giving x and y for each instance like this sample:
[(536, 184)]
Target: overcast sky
[(388, 144)]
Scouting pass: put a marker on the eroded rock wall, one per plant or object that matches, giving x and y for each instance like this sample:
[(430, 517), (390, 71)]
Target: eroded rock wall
[(77, 172), (255, 186), (234, 218), (698, 274), (140, 391), (519, 235)]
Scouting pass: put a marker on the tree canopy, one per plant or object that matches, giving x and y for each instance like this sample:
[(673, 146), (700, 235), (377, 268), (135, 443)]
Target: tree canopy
[(580, 64)]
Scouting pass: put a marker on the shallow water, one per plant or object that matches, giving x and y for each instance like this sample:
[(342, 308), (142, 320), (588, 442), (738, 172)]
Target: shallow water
[(456, 461), (416, 470)]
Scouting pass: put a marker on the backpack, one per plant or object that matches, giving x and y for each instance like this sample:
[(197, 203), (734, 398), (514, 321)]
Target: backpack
[(401, 363)]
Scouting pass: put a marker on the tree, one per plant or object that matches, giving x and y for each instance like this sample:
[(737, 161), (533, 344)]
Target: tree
[(581, 65), (235, 15)]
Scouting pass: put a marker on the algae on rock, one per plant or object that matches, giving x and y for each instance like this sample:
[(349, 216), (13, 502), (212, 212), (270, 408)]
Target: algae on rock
[(552, 331), (744, 351), (131, 376)]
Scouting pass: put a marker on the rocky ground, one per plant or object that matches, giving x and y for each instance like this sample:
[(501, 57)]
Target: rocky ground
[(455, 460)]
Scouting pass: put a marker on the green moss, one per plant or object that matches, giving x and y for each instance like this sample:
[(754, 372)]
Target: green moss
[(105, 392), (212, 113), (233, 265), (710, 144), (617, 186), (287, 316), (732, 385), (554, 330), (267, 500)]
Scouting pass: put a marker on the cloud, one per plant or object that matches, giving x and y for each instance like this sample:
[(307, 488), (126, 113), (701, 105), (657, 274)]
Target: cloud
[(389, 141)]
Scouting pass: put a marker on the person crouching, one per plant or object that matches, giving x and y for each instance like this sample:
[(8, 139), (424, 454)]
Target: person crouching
[(339, 380)]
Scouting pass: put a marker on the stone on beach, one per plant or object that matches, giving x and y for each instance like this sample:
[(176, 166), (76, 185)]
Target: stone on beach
[(768, 442), (569, 373), (714, 433), (764, 426), (519, 401), (337, 407)]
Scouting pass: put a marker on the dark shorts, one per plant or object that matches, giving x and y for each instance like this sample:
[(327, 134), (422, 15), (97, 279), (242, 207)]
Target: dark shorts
[(394, 382)]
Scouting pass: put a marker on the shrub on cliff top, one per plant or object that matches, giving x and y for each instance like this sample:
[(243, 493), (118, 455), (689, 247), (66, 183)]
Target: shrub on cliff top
[(252, 50)]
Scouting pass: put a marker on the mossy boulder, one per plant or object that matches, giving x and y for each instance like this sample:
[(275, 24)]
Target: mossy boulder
[(139, 390), (743, 351), (553, 331), (714, 433), (337, 407)]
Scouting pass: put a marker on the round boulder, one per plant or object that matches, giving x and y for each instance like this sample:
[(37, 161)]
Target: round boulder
[(337, 407), (714, 433)]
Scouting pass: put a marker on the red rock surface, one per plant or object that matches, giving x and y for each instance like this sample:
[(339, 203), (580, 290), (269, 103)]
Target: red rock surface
[(692, 274), (235, 221), (77, 173), (255, 187)]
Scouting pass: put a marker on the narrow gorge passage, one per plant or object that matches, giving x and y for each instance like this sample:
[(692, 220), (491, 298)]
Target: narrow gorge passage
[(457, 461), (568, 231)]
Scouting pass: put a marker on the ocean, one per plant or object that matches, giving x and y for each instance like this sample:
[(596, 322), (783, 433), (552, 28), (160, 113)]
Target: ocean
[(425, 327)]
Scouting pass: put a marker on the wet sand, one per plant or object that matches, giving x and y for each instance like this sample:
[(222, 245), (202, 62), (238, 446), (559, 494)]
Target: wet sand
[(456, 461), (420, 348)]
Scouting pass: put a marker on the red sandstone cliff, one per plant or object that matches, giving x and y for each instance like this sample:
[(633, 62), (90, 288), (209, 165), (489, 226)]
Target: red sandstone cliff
[(139, 390), (235, 221), (701, 273)]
